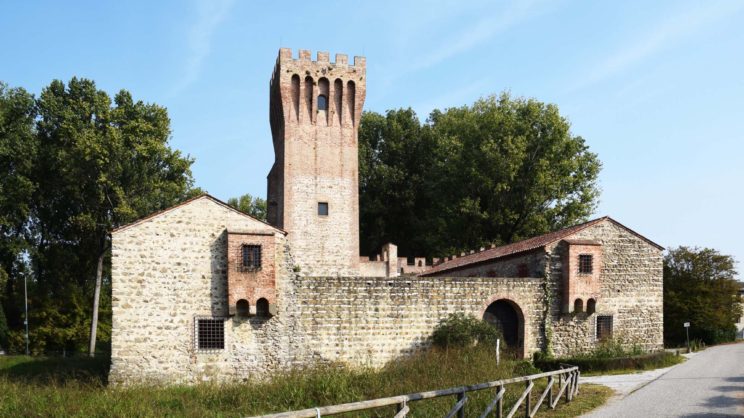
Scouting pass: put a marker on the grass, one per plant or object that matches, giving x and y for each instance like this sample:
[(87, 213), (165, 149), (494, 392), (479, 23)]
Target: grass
[(35, 387)]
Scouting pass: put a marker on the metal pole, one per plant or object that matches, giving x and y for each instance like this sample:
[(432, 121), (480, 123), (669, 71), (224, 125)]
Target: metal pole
[(687, 330), (25, 302)]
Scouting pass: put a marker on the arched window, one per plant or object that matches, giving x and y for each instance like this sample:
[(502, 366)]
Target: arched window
[(591, 306), (578, 306), (243, 308), (262, 308), (322, 102)]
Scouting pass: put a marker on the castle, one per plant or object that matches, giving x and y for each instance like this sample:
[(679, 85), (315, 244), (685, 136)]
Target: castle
[(203, 292)]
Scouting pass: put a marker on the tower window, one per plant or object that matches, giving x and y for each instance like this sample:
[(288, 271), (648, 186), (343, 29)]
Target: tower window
[(251, 257), (323, 208), (322, 102), (585, 263)]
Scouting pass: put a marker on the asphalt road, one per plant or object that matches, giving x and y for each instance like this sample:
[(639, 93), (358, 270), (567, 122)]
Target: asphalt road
[(710, 384)]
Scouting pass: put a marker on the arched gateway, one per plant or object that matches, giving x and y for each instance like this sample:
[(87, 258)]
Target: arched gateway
[(507, 316)]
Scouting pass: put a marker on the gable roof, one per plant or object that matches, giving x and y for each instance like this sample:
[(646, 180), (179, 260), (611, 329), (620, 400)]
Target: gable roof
[(188, 201), (526, 245)]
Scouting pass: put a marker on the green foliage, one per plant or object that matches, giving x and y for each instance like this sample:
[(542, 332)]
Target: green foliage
[(461, 330), (254, 206), (75, 387), (605, 363), (700, 288), (498, 171), (4, 331), (74, 165)]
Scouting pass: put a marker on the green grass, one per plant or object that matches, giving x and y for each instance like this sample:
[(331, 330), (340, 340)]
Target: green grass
[(40, 387), (616, 365)]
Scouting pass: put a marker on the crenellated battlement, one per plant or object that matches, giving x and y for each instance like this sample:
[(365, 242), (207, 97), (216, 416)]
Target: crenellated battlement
[(322, 57)]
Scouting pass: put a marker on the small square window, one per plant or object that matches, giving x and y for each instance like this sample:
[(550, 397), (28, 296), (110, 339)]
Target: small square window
[(323, 208), (604, 327), (210, 334), (251, 255), (585, 263)]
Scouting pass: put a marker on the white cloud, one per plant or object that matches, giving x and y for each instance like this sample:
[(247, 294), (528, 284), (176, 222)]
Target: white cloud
[(209, 15), (669, 32)]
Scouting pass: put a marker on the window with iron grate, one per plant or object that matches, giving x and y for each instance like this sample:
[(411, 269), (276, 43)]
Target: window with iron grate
[(251, 257), (585, 263), (210, 334), (604, 327)]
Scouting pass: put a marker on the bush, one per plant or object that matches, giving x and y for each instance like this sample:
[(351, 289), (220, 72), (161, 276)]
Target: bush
[(461, 330), (603, 364), (4, 332)]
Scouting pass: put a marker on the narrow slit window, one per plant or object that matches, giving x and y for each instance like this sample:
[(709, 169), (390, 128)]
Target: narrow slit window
[(210, 334), (585, 263), (323, 208), (251, 255)]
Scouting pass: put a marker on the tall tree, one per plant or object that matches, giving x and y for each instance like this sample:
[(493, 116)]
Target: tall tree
[(18, 148), (100, 165), (498, 171), (700, 288), (254, 206)]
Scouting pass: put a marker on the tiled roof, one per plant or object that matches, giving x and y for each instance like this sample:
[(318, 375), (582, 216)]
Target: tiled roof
[(523, 246)]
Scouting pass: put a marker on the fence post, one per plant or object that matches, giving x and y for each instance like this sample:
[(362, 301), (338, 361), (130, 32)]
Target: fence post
[(461, 412), (528, 400), (500, 404), (569, 387), (498, 351)]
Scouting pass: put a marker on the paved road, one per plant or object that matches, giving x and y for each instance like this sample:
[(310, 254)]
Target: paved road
[(709, 384)]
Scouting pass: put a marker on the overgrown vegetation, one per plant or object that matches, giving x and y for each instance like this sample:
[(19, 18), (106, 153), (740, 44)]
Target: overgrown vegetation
[(76, 387), (612, 355), (700, 287), (461, 330)]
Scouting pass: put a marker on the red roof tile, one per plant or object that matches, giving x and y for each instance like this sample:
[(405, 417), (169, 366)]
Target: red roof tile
[(523, 246)]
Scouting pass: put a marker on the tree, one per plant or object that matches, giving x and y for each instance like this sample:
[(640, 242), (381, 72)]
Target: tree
[(498, 171), (18, 149), (253, 206), (100, 165), (700, 288)]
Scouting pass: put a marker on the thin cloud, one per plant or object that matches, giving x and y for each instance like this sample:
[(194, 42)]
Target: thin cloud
[(669, 32), (210, 14)]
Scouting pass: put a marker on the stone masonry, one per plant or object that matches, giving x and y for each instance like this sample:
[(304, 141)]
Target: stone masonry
[(191, 303)]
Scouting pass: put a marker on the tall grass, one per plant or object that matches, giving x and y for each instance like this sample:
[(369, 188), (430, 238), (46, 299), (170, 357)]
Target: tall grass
[(65, 387)]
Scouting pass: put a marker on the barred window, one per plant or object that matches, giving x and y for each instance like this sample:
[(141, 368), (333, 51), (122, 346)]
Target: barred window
[(585, 263), (210, 334), (251, 257), (604, 327)]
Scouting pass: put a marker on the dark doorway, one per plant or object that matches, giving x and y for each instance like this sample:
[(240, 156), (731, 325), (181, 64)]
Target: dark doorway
[(507, 317)]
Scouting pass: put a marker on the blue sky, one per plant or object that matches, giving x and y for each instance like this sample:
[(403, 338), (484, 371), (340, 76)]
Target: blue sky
[(655, 88)]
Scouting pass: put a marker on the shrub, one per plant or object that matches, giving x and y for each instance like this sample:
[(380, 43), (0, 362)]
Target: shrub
[(595, 364), (461, 330), (4, 331)]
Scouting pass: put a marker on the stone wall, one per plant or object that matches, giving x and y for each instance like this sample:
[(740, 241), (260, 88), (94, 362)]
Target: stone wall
[(631, 291), (369, 321), (166, 271)]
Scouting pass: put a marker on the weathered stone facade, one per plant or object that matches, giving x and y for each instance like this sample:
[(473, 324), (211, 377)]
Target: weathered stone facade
[(202, 292), (625, 283)]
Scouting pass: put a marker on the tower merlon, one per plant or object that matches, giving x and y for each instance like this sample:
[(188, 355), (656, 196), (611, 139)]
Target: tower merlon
[(322, 57)]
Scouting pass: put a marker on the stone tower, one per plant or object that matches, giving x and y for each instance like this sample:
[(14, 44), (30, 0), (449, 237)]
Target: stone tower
[(313, 193)]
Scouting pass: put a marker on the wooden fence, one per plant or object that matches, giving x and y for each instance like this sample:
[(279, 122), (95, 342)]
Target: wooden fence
[(567, 379)]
